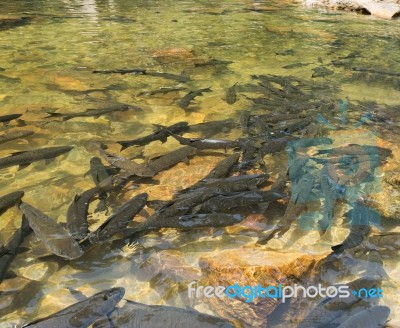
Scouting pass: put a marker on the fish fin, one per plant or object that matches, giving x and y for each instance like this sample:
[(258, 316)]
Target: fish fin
[(76, 294), (186, 160), (54, 115), (23, 166), (103, 322), (158, 127)]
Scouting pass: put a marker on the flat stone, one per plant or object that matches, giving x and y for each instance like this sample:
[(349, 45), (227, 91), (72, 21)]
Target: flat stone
[(253, 266)]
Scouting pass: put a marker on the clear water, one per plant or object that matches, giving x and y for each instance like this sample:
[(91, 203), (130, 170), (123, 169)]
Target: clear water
[(48, 66)]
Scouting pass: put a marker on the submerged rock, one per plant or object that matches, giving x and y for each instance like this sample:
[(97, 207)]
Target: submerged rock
[(250, 267), (382, 9)]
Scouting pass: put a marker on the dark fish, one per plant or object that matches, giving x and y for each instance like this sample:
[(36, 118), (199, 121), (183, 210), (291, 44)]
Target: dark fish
[(289, 52), (230, 96), (360, 218), (245, 121), (354, 149), (162, 90), (213, 127), (275, 145), (190, 221), (97, 170), (213, 62), (77, 224), (321, 71), (373, 71), (374, 317), (119, 220), (51, 233), (296, 65), (248, 152), (293, 127), (185, 101), (226, 201), (170, 159), (10, 117), (388, 240), (84, 313), (6, 23), (9, 200), (160, 134), (169, 76), (11, 249), (25, 158), (280, 117), (330, 195), (222, 169), (131, 167), (138, 315), (235, 183), (14, 135), (95, 112), (206, 143), (134, 71)]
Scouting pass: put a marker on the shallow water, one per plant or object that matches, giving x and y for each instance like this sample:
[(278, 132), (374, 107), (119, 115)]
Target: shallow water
[(48, 66)]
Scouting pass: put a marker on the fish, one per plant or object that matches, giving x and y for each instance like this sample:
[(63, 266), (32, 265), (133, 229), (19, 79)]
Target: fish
[(296, 65), (15, 135), (360, 218), (83, 313), (9, 200), (230, 96), (10, 117), (300, 195), (388, 240), (162, 90), (11, 22), (160, 134), (355, 149), (179, 78), (321, 71), (119, 220), (289, 52), (131, 167), (189, 221), (77, 212), (275, 145), (95, 112), (229, 200), (206, 143), (374, 71), (374, 317), (293, 127), (276, 118), (97, 170), (139, 315), (24, 158), (172, 158), (222, 169), (248, 152), (235, 183), (213, 127), (51, 233), (11, 249), (122, 71), (185, 101), (213, 62)]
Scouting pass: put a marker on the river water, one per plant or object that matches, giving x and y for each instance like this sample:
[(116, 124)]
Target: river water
[(46, 66)]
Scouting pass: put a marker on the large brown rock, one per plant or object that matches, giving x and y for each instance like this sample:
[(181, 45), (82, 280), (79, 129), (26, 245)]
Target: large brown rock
[(253, 266)]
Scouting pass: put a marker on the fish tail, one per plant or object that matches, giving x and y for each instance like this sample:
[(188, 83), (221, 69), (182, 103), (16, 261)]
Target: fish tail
[(54, 115)]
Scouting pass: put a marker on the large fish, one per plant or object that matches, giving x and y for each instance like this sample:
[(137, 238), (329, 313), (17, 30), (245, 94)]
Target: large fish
[(191, 221), (119, 220), (230, 96), (84, 313), (131, 167), (179, 78), (51, 233), (11, 249), (172, 158), (99, 173), (185, 101), (10, 117), (226, 201), (160, 134), (77, 224), (138, 315), (162, 90), (25, 158), (374, 317), (14, 135), (95, 112), (9, 200), (206, 143)]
